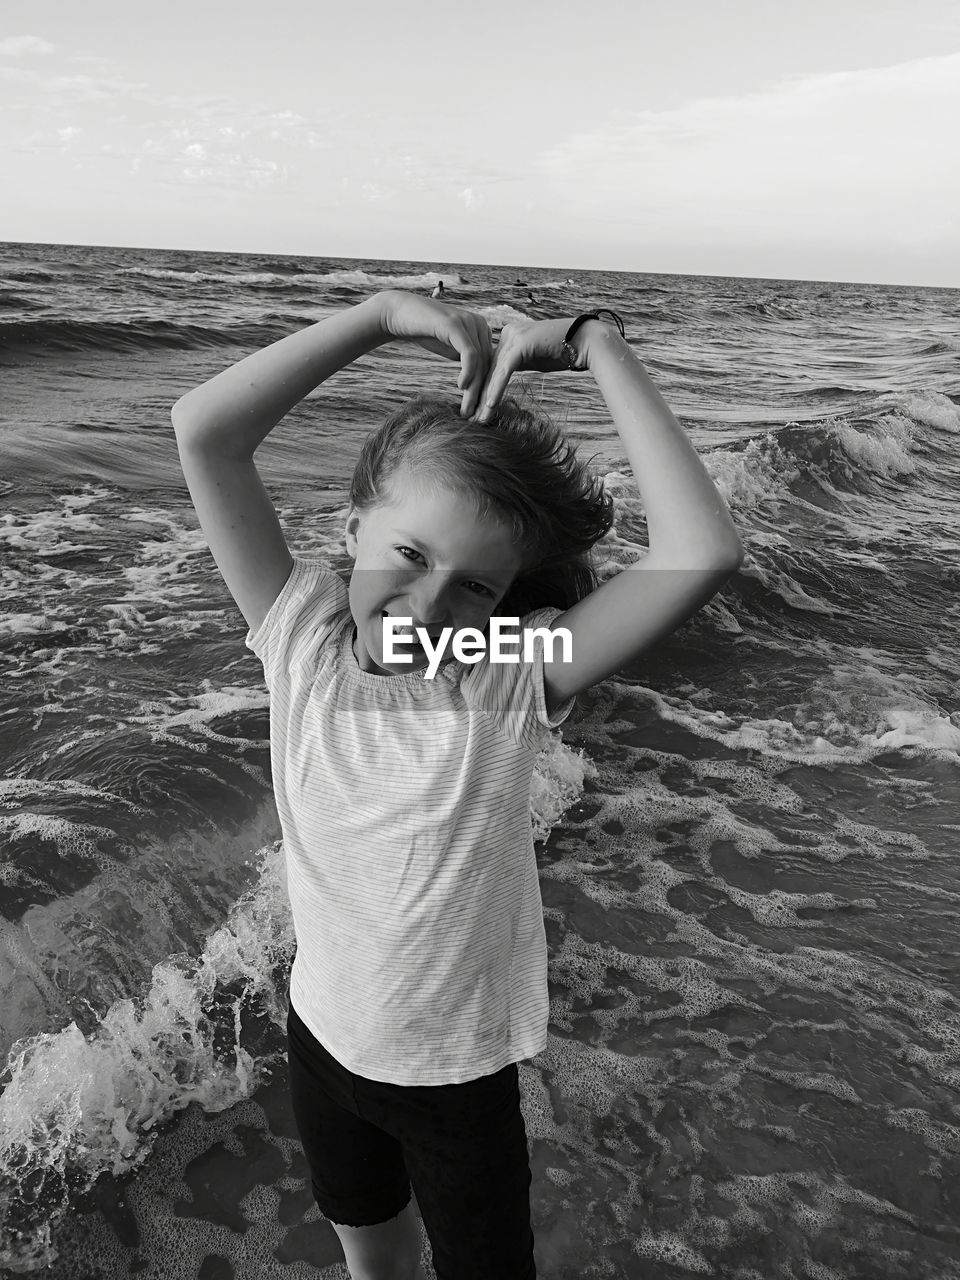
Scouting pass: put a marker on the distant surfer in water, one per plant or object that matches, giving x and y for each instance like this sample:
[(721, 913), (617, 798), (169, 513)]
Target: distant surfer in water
[(438, 291)]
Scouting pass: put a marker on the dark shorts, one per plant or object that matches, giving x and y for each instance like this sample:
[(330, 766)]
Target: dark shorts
[(462, 1146)]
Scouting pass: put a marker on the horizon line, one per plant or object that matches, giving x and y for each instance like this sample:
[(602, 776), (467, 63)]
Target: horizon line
[(431, 264)]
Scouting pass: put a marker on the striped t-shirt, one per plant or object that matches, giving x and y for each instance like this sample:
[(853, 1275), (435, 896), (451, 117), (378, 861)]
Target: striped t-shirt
[(405, 810)]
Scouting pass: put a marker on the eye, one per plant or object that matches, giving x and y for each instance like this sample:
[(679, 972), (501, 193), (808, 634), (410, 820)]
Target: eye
[(480, 588)]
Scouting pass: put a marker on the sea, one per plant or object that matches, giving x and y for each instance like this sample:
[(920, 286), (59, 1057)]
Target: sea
[(748, 840)]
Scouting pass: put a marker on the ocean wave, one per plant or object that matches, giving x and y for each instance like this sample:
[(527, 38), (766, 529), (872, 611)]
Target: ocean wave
[(813, 461), (75, 1105), (500, 314), (209, 277), (18, 302), (29, 275), (79, 1104), (45, 336), (357, 277), (371, 279), (927, 408), (941, 346), (20, 631), (750, 313), (776, 309), (853, 715)]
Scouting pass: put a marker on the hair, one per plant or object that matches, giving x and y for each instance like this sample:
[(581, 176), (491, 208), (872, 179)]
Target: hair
[(517, 468)]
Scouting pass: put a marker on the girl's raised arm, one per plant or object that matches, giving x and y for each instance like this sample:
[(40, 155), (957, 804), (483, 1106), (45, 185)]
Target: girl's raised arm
[(221, 424), (694, 544)]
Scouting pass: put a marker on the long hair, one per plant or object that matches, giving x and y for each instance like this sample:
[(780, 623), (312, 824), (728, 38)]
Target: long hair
[(517, 468)]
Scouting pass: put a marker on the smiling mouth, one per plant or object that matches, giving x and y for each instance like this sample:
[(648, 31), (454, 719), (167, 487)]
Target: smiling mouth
[(412, 635)]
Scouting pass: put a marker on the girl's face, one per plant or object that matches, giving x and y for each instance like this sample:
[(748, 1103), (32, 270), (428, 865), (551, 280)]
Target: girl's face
[(425, 556)]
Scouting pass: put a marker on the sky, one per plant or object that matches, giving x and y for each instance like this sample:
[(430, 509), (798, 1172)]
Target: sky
[(716, 137)]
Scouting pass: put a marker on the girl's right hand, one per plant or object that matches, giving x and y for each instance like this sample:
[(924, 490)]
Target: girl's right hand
[(447, 331)]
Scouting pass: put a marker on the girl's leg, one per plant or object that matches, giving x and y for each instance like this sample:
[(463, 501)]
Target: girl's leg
[(386, 1251), (357, 1170), (465, 1148)]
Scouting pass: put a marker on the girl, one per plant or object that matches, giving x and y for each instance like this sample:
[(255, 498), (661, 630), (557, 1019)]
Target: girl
[(420, 978)]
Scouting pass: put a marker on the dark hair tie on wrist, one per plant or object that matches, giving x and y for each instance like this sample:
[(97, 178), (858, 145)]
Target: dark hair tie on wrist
[(568, 350)]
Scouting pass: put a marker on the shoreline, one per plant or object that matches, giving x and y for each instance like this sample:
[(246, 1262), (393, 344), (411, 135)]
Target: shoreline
[(221, 1196)]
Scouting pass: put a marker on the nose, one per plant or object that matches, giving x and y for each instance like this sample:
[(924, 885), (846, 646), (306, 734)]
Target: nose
[(428, 602)]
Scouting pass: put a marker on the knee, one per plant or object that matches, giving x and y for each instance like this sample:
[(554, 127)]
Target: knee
[(387, 1251), (396, 1269), (399, 1268)]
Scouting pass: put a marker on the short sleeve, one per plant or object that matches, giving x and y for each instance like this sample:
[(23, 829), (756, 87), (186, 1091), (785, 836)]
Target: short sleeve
[(301, 620), (513, 694)]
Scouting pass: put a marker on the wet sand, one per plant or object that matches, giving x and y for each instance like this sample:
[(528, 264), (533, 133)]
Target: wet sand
[(220, 1197)]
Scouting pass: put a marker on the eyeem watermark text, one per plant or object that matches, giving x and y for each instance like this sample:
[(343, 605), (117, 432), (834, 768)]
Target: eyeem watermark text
[(470, 644)]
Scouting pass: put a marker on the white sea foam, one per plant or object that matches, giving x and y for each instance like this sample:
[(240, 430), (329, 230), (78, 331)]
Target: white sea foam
[(729, 828), (885, 451), (88, 1103), (758, 473), (500, 314), (30, 624), (850, 716), (929, 408), (76, 1105), (356, 276)]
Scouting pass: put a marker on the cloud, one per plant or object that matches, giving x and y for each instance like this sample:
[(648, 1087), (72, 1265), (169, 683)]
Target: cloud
[(239, 172), (225, 140), (21, 75), (865, 155), (205, 138), (90, 88), (70, 90), (238, 146), (21, 46), (422, 162)]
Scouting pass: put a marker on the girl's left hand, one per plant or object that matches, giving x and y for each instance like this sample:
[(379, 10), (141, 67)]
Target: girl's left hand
[(524, 345)]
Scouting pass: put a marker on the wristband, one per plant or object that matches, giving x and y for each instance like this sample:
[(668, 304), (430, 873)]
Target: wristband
[(568, 350)]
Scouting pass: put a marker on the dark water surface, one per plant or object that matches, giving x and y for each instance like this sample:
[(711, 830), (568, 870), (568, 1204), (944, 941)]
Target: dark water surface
[(749, 838)]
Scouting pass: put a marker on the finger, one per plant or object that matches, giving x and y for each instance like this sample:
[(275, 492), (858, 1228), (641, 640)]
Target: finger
[(508, 359), (460, 337), (486, 347), (472, 371), (476, 367), (504, 367)]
